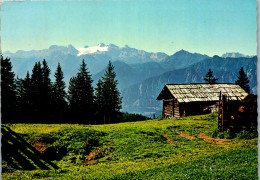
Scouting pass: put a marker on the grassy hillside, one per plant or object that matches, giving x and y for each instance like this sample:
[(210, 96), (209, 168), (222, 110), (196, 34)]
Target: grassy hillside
[(153, 149)]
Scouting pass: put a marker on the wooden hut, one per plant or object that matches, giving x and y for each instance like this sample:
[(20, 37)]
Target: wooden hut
[(237, 115), (180, 100)]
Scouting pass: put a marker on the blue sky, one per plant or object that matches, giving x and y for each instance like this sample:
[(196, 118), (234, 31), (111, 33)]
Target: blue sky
[(210, 27)]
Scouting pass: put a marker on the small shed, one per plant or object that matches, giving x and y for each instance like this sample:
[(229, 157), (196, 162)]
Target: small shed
[(180, 100)]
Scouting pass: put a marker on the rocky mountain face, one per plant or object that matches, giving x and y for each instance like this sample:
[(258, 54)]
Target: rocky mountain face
[(141, 97)]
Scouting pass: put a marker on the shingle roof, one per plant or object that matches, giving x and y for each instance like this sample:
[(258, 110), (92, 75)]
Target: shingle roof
[(203, 92)]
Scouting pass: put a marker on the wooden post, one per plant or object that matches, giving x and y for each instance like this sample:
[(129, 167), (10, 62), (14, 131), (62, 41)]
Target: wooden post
[(220, 112)]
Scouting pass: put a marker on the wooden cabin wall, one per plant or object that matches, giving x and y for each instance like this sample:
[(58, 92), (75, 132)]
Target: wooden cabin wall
[(168, 108), (171, 108), (176, 108), (237, 115)]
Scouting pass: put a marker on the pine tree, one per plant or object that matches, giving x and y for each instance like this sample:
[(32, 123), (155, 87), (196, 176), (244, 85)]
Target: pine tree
[(41, 87), (111, 100), (24, 98), (8, 91), (59, 95), (46, 84), (81, 95), (243, 81), (99, 101), (36, 89), (46, 107), (210, 77)]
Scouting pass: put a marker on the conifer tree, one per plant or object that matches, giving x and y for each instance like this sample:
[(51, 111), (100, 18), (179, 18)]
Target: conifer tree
[(46, 84), (243, 81), (81, 95), (41, 87), (46, 107), (24, 98), (36, 88), (8, 91), (210, 77), (59, 95), (99, 101), (111, 100)]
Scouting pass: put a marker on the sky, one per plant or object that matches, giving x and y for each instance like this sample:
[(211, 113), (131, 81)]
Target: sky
[(211, 27)]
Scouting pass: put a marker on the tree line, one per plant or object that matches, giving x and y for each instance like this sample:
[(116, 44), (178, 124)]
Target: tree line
[(242, 80), (36, 99)]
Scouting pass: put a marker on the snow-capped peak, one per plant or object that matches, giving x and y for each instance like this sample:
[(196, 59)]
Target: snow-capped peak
[(234, 55), (89, 50)]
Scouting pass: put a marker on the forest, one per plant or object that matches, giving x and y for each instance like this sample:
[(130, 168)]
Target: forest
[(36, 99)]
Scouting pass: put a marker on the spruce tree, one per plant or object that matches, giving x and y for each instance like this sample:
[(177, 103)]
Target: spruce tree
[(210, 77), (8, 91), (243, 81), (46, 107), (41, 88), (99, 101), (59, 95), (24, 98), (36, 90), (111, 100), (81, 95)]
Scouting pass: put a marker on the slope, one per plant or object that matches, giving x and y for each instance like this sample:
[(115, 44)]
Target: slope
[(151, 149)]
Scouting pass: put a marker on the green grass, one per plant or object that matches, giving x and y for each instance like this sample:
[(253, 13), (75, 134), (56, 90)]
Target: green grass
[(138, 150)]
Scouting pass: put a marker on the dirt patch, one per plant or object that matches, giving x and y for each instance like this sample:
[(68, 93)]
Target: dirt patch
[(41, 147), (91, 158), (94, 155), (211, 140), (168, 139), (185, 135)]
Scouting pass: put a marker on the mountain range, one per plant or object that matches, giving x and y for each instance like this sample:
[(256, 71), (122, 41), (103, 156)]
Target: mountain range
[(141, 75), (234, 55), (70, 58), (141, 97)]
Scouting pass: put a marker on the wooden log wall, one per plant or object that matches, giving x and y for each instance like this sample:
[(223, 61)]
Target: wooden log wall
[(176, 108), (171, 108), (237, 115), (168, 108)]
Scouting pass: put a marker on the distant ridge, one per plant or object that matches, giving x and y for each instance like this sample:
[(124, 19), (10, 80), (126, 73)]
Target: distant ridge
[(235, 55)]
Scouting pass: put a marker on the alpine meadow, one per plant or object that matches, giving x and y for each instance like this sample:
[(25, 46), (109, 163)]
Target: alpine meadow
[(156, 89)]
